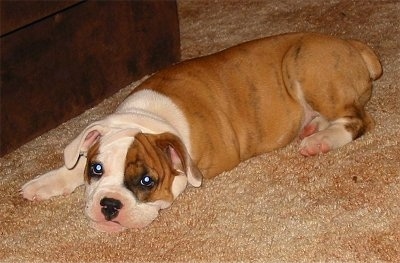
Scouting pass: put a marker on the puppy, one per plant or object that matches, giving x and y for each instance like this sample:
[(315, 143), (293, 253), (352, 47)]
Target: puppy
[(203, 116)]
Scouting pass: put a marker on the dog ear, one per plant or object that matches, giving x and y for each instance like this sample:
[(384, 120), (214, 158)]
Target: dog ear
[(89, 136), (81, 144), (180, 157)]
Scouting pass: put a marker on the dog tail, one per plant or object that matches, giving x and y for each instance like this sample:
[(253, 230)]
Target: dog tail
[(370, 58)]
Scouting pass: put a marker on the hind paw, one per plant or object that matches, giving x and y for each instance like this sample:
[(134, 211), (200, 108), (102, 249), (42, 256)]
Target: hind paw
[(314, 145)]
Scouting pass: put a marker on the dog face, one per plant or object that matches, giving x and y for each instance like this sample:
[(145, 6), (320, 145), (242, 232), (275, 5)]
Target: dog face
[(130, 175)]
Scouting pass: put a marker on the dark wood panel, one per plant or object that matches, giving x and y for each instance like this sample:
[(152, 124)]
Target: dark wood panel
[(17, 14), (53, 70)]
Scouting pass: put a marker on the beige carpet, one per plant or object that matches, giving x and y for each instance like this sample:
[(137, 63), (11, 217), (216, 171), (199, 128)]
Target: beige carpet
[(278, 207)]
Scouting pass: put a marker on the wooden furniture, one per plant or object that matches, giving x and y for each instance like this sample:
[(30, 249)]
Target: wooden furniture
[(59, 58)]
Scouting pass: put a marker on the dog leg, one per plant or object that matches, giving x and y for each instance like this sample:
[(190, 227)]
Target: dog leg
[(60, 181), (317, 124), (335, 135), (332, 78)]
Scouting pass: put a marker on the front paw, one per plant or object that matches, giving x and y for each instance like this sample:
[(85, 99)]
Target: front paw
[(54, 183)]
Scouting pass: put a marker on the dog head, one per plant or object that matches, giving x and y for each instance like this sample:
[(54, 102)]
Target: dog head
[(130, 175)]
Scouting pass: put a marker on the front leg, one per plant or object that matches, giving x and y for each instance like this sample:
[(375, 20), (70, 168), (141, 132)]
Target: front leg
[(62, 181)]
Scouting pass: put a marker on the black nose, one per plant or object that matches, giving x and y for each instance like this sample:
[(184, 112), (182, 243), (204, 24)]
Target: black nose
[(110, 208)]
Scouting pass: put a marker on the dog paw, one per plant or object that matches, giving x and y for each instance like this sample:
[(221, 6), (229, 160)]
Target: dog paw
[(43, 188), (334, 136), (54, 183), (315, 144)]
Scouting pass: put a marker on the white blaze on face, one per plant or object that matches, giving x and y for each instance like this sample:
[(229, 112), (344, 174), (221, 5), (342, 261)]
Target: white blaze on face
[(111, 156)]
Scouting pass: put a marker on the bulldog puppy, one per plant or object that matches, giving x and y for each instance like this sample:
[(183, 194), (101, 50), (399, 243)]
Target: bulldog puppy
[(203, 116)]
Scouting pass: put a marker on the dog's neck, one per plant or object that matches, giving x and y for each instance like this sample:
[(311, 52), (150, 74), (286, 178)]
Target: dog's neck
[(157, 108)]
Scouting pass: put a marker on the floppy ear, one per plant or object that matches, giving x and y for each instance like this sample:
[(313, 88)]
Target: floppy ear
[(180, 158), (88, 137), (81, 144)]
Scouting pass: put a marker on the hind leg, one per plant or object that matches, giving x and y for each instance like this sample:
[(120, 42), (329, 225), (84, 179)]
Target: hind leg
[(334, 135), (331, 122), (343, 125), (317, 124), (328, 77), (341, 119)]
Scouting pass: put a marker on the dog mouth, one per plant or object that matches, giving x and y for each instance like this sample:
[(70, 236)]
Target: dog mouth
[(107, 226), (107, 217)]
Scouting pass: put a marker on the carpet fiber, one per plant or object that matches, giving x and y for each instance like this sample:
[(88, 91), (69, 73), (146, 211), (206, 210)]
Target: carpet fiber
[(342, 206)]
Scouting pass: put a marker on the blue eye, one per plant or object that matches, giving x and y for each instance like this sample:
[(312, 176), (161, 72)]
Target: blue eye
[(146, 181), (96, 170)]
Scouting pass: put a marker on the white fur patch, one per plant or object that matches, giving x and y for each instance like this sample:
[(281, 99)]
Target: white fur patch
[(159, 106)]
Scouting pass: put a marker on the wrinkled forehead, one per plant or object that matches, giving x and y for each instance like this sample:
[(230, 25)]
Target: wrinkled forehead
[(145, 150), (128, 160), (112, 157), (106, 150)]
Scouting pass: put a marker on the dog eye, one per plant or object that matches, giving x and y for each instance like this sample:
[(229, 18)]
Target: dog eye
[(96, 169), (147, 181)]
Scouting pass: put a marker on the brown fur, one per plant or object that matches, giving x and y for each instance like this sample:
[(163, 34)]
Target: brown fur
[(145, 157), (242, 101)]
